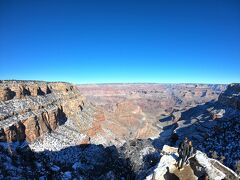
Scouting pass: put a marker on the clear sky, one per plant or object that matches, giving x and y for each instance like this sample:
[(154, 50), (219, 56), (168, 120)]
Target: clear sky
[(86, 41)]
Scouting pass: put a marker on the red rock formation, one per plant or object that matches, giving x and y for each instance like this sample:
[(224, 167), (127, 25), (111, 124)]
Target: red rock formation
[(27, 118), (99, 117), (122, 111), (32, 129), (15, 132), (133, 110)]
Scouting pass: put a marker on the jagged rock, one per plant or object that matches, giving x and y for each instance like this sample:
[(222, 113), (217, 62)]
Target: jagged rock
[(166, 161), (217, 113), (40, 107), (63, 127), (32, 128), (169, 150), (141, 154), (176, 115), (231, 97), (214, 168), (200, 165), (212, 171)]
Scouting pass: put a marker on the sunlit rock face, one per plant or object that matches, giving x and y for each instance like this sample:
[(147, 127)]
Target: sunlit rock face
[(213, 127), (113, 131), (30, 109), (134, 110)]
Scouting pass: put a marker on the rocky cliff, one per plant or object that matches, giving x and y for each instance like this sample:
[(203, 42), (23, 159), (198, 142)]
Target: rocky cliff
[(231, 97), (29, 110), (50, 130), (132, 111), (213, 127), (199, 166)]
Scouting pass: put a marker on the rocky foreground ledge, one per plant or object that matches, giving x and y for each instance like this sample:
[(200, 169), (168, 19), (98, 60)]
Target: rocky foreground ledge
[(199, 165), (98, 162)]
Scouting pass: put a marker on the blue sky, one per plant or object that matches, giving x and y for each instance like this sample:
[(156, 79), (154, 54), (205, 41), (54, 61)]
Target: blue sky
[(86, 41)]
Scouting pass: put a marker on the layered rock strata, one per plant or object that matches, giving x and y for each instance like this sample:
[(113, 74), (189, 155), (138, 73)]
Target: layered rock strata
[(213, 127), (29, 110)]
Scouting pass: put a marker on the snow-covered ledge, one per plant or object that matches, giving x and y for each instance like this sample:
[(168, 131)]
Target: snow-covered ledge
[(168, 160), (213, 168)]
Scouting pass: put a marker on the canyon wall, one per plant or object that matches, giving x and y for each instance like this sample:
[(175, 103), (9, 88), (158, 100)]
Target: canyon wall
[(115, 131), (231, 97), (29, 109), (134, 110)]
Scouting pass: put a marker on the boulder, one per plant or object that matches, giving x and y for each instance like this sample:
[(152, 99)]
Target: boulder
[(166, 163)]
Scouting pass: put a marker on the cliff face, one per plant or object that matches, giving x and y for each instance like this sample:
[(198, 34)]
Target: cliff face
[(132, 111), (231, 97), (199, 166), (213, 127), (31, 109), (63, 128)]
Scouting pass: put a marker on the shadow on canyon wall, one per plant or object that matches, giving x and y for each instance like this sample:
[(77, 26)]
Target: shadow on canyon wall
[(194, 120), (96, 161)]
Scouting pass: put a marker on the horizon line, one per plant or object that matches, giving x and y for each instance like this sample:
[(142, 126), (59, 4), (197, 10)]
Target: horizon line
[(121, 83)]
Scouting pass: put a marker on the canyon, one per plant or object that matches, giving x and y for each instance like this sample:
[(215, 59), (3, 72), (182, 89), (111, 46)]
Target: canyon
[(135, 111), (116, 131)]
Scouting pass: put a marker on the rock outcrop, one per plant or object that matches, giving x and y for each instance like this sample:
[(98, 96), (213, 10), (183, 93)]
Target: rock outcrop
[(18, 161), (231, 97), (200, 165), (141, 155), (66, 135), (213, 127), (29, 110)]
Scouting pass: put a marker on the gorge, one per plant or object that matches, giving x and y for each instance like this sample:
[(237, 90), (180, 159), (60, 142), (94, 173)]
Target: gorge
[(115, 131)]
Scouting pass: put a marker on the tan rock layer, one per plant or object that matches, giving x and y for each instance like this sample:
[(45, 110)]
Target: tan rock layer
[(96, 125), (32, 127), (32, 117), (15, 89)]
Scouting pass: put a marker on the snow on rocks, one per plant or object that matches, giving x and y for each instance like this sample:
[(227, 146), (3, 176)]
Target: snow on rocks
[(64, 136), (212, 171), (200, 165), (167, 161), (223, 141), (215, 169)]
